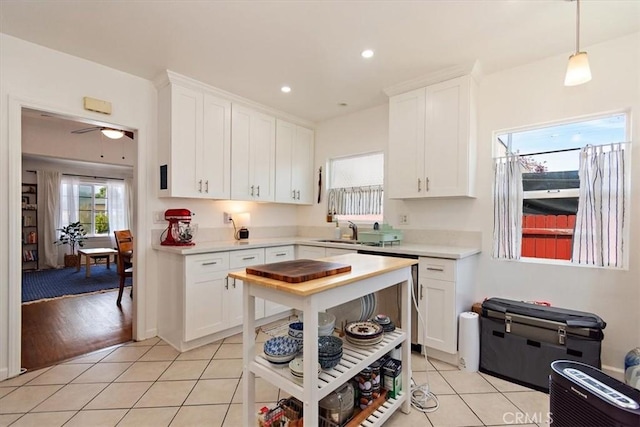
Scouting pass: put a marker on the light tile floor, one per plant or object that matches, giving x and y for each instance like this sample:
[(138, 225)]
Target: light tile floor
[(149, 383)]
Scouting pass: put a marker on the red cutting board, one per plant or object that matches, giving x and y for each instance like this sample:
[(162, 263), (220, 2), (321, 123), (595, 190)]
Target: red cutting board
[(300, 270)]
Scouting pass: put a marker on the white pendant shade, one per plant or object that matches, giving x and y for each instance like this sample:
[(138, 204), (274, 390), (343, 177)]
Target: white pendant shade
[(578, 71), (112, 133)]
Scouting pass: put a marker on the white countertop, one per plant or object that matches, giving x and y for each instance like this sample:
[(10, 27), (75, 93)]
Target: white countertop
[(417, 249)]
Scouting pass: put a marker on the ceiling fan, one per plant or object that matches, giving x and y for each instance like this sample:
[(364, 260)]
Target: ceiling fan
[(106, 131)]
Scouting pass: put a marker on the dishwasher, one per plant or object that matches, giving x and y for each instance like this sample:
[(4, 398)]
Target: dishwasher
[(388, 300)]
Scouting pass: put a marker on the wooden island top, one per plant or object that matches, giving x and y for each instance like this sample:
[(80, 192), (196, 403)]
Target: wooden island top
[(362, 267)]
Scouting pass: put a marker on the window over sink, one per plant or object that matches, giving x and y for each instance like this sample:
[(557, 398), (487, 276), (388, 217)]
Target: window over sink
[(355, 188)]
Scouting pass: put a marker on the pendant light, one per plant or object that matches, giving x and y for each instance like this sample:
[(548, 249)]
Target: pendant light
[(578, 71)]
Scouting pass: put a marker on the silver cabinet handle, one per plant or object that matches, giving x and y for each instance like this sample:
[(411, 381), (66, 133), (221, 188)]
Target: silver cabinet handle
[(252, 191), (281, 254), (427, 182), (419, 185), (234, 283), (210, 263), (435, 269), (206, 183), (200, 186), (421, 289), (226, 282), (258, 194), (298, 195), (248, 258), (293, 194)]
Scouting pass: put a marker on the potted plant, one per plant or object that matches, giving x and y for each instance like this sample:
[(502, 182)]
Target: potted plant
[(74, 236)]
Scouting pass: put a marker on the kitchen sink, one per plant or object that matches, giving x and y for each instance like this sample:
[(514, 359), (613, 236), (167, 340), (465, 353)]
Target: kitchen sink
[(348, 242)]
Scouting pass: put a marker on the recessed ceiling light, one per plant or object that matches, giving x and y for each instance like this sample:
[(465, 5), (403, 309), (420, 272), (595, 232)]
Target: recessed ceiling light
[(367, 53), (285, 89), (342, 104)]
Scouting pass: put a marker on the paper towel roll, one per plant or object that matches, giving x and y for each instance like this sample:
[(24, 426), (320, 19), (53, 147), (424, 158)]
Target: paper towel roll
[(469, 341)]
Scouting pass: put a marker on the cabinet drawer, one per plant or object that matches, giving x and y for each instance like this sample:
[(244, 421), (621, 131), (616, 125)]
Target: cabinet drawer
[(246, 258), (207, 263), (278, 254), (437, 268)]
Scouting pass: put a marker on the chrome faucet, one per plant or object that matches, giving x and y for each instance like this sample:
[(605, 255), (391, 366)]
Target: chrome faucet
[(354, 235)]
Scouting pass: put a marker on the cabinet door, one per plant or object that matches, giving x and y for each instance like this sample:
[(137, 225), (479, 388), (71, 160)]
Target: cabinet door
[(277, 254), (262, 152), (302, 166), (253, 143), (205, 288), (285, 140), (310, 252), (239, 260), (338, 251), (439, 311), (447, 156), (215, 162), (406, 145), (240, 143), (186, 141)]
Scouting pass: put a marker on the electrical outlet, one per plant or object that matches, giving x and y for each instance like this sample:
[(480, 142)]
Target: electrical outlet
[(403, 219), (227, 218), (158, 217)]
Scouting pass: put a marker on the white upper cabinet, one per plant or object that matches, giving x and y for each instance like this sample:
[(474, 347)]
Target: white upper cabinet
[(252, 155), (432, 141), (294, 163), (194, 142)]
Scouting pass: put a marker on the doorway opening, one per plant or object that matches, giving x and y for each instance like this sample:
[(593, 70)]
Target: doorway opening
[(69, 325)]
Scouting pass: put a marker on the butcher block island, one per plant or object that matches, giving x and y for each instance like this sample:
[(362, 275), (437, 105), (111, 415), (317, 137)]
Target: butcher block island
[(368, 274)]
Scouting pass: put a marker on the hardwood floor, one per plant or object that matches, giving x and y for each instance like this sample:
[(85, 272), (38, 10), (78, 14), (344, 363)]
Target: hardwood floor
[(57, 330)]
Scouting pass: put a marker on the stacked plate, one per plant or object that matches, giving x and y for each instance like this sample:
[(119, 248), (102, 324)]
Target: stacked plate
[(297, 369), (329, 351), (384, 321), (363, 334), (280, 350)]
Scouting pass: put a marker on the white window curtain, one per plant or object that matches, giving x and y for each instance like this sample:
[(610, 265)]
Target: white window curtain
[(128, 191), (49, 209), (507, 209), (117, 205), (355, 200), (598, 234), (69, 198)]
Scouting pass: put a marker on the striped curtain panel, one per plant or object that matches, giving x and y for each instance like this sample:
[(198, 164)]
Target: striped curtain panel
[(597, 238), (507, 208), (355, 200)]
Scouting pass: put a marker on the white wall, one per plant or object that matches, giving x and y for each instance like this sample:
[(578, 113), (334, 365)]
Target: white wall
[(40, 78), (47, 80), (526, 95)]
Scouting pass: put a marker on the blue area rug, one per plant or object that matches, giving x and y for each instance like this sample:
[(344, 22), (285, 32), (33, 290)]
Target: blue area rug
[(37, 285)]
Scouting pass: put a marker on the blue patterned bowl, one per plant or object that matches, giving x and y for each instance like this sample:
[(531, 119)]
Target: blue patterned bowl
[(280, 346), (329, 346), (330, 362)]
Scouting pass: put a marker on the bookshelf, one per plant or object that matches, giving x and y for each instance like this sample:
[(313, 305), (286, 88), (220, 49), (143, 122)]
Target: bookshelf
[(29, 227)]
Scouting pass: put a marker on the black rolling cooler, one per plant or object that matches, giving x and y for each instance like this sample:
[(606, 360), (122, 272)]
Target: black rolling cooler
[(519, 340)]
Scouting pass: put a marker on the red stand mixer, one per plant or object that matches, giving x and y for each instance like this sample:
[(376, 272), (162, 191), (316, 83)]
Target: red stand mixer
[(180, 231)]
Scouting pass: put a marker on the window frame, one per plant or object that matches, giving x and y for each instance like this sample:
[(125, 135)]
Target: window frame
[(94, 183), (358, 219), (569, 192)]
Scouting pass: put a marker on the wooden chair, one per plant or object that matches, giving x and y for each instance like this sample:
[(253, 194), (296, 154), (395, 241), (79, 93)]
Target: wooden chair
[(124, 244)]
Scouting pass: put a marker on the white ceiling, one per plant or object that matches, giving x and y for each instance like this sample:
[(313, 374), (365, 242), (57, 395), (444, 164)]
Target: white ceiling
[(251, 48)]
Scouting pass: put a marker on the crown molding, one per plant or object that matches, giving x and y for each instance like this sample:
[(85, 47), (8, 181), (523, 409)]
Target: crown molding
[(171, 77), (473, 69)]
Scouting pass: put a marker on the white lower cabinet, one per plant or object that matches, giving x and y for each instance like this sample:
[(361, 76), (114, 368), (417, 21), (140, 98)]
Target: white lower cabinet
[(445, 290), (207, 299), (277, 254), (310, 252), (239, 260)]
